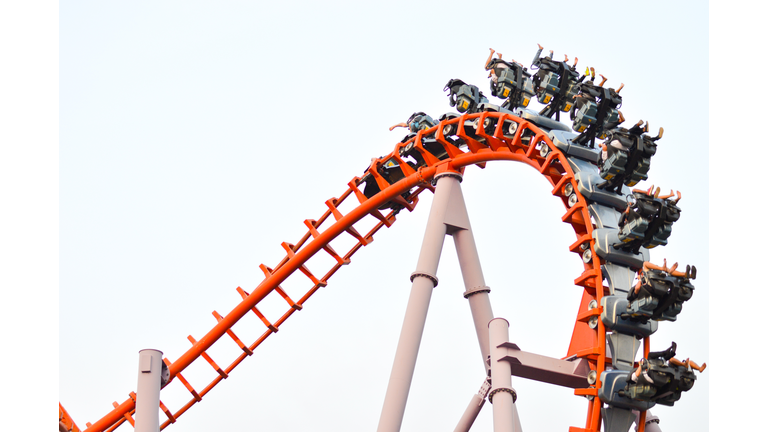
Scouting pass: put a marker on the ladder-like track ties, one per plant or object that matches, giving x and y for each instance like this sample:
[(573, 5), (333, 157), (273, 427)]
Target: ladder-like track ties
[(586, 315), (358, 193), (551, 163), (362, 198), (576, 246), (331, 203), (289, 248), (167, 412), (494, 143), (233, 336), (532, 147), (267, 273), (210, 361), (558, 187), (473, 145), (588, 279), (288, 300), (258, 313), (575, 215), (189, 387)]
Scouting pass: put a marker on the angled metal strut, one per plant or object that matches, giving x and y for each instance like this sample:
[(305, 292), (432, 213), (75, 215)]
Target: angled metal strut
[(448, 216)]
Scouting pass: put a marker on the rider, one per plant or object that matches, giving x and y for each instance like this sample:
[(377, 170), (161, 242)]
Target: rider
[(416, 122)]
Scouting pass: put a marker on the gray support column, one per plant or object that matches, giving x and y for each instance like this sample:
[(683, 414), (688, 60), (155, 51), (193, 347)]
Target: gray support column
[(502, 395), (424, 280), (148, 391)]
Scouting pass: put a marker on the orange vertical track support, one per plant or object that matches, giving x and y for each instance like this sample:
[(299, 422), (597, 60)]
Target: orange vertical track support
[(524, 147)]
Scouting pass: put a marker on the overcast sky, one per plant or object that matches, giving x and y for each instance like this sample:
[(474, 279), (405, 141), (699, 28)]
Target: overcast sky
[(196, 137)]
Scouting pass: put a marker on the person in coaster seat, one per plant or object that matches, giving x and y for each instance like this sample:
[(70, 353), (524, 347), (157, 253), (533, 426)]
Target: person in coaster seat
[(690, 273), (616, 144), (496, 67), (416, 122), (669, 356)]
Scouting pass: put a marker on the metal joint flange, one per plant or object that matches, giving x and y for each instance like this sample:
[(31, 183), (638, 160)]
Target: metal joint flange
[(477, 289), (431, 277), (455, 175), (503, 389)]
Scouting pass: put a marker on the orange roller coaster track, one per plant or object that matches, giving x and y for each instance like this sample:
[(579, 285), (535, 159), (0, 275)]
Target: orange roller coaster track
[(524, 146)]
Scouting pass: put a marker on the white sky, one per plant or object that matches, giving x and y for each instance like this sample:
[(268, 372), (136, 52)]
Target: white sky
[(195, 137)]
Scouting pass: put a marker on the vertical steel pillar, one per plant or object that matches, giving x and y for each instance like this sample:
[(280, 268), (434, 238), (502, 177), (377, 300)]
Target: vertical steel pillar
[(148, 391), (502, 395), (424, 280)]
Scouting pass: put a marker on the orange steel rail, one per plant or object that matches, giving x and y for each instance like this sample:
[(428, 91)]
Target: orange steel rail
[(523, 147)]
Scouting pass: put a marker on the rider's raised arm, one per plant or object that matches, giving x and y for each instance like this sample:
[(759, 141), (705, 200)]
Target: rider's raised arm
[(538, 53)]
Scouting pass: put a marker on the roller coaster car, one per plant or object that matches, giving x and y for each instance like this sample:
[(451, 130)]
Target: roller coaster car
[(548, 87), (463, 96), (513, 84), (654, 286), (661, 296), (588, 114), (391, 172), (429, 143), (416, 122), (420, 121), (584, 116), (614, 165), (569, 97), (626, 167), (556, 85), (635, 220), (646, 223), (659, 382), (596, 113)]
